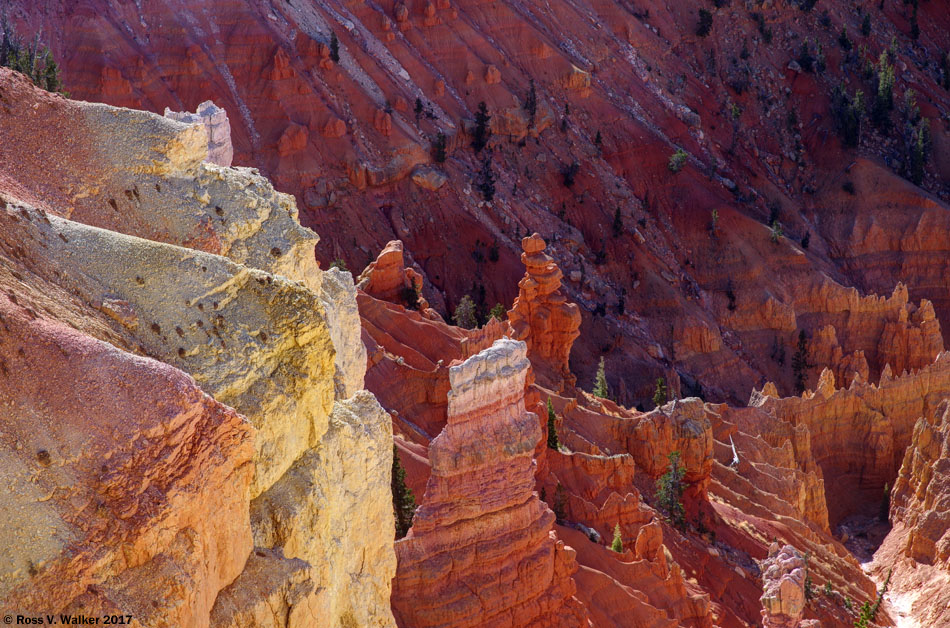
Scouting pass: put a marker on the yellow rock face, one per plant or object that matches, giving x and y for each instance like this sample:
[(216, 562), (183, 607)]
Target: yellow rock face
[(152, 252)]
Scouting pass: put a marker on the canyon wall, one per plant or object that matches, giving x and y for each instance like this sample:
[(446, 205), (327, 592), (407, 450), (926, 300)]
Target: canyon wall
[(185, 295)]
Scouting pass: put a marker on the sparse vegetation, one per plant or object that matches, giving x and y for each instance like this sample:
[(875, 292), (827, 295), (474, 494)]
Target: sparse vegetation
[(617, 226), (848, 113), (531, 104), (334, 48), (669, 492), (464, 315), (28, 58), (775, 231), (569, 173), (404, 502), (866, 25), (498, 311), (884, 97), (617, 544), (704, 27), (714, 222), (809, 586), (848, 187), (553, 442), (869, 611), (600, 381), (806, 240), (486, 181), (677, 160), (844, 41), (339, 263), (919, 151), (438, 148), (659, 393), (482, 127)]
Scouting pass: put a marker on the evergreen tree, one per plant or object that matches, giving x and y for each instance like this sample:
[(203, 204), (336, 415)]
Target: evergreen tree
[(617, 544), (669, 492), (705, 23), (598, 140), (553, 442), (866, 25), (600, 381), (486, 181), (334, 48), (800, 363), (464, 315), (438, 148), (884, 99), (617, 226), (498, 311), (531, 105), (659, 395), (404, 503), (418, 109), (482, 127)]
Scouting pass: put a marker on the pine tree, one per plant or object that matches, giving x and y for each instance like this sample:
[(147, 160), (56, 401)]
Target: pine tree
[(659, 395), (404, 503), (617, 544), (486, 181), (498, 311), (669, 492), (464, 315), (600, 381), (418, 109), (553, 442), (598, 140), (617, 226), (482, 127), (334, 48)]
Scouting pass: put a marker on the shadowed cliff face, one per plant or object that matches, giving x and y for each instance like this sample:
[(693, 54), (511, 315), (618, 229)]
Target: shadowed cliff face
[(663, 286)]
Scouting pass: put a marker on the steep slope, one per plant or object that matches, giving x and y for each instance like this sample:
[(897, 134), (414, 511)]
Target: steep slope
[(203, 270), (618, 87)]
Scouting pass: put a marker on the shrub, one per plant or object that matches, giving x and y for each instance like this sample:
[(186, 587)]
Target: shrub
[(334, 48), (418, 109), (464, 315), (600, 381), (866, 25), (669, 492), (482, 127), (553, 442), (677, 160), (617, 226), (339, 263), (919, 151), (806, 240), (848, 187), (404, 502), (617, 544), (775, 231), (498, 311), (598, 140), (659, 393), (411, 296), (705, 23)]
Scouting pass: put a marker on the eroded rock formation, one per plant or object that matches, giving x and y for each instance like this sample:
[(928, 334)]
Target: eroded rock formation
[(783, 597), (541, 315), (481, 550), (215, 119), (195, 300)]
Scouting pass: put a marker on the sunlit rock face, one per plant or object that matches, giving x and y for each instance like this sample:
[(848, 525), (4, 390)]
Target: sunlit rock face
[(189, 401)]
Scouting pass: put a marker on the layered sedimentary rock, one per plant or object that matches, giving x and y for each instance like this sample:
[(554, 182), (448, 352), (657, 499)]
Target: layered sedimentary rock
[(205, 269), (388, 278), (783, 596), (481, 550), (858, 434), (541, 315), (215, 120), (915, 556)]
